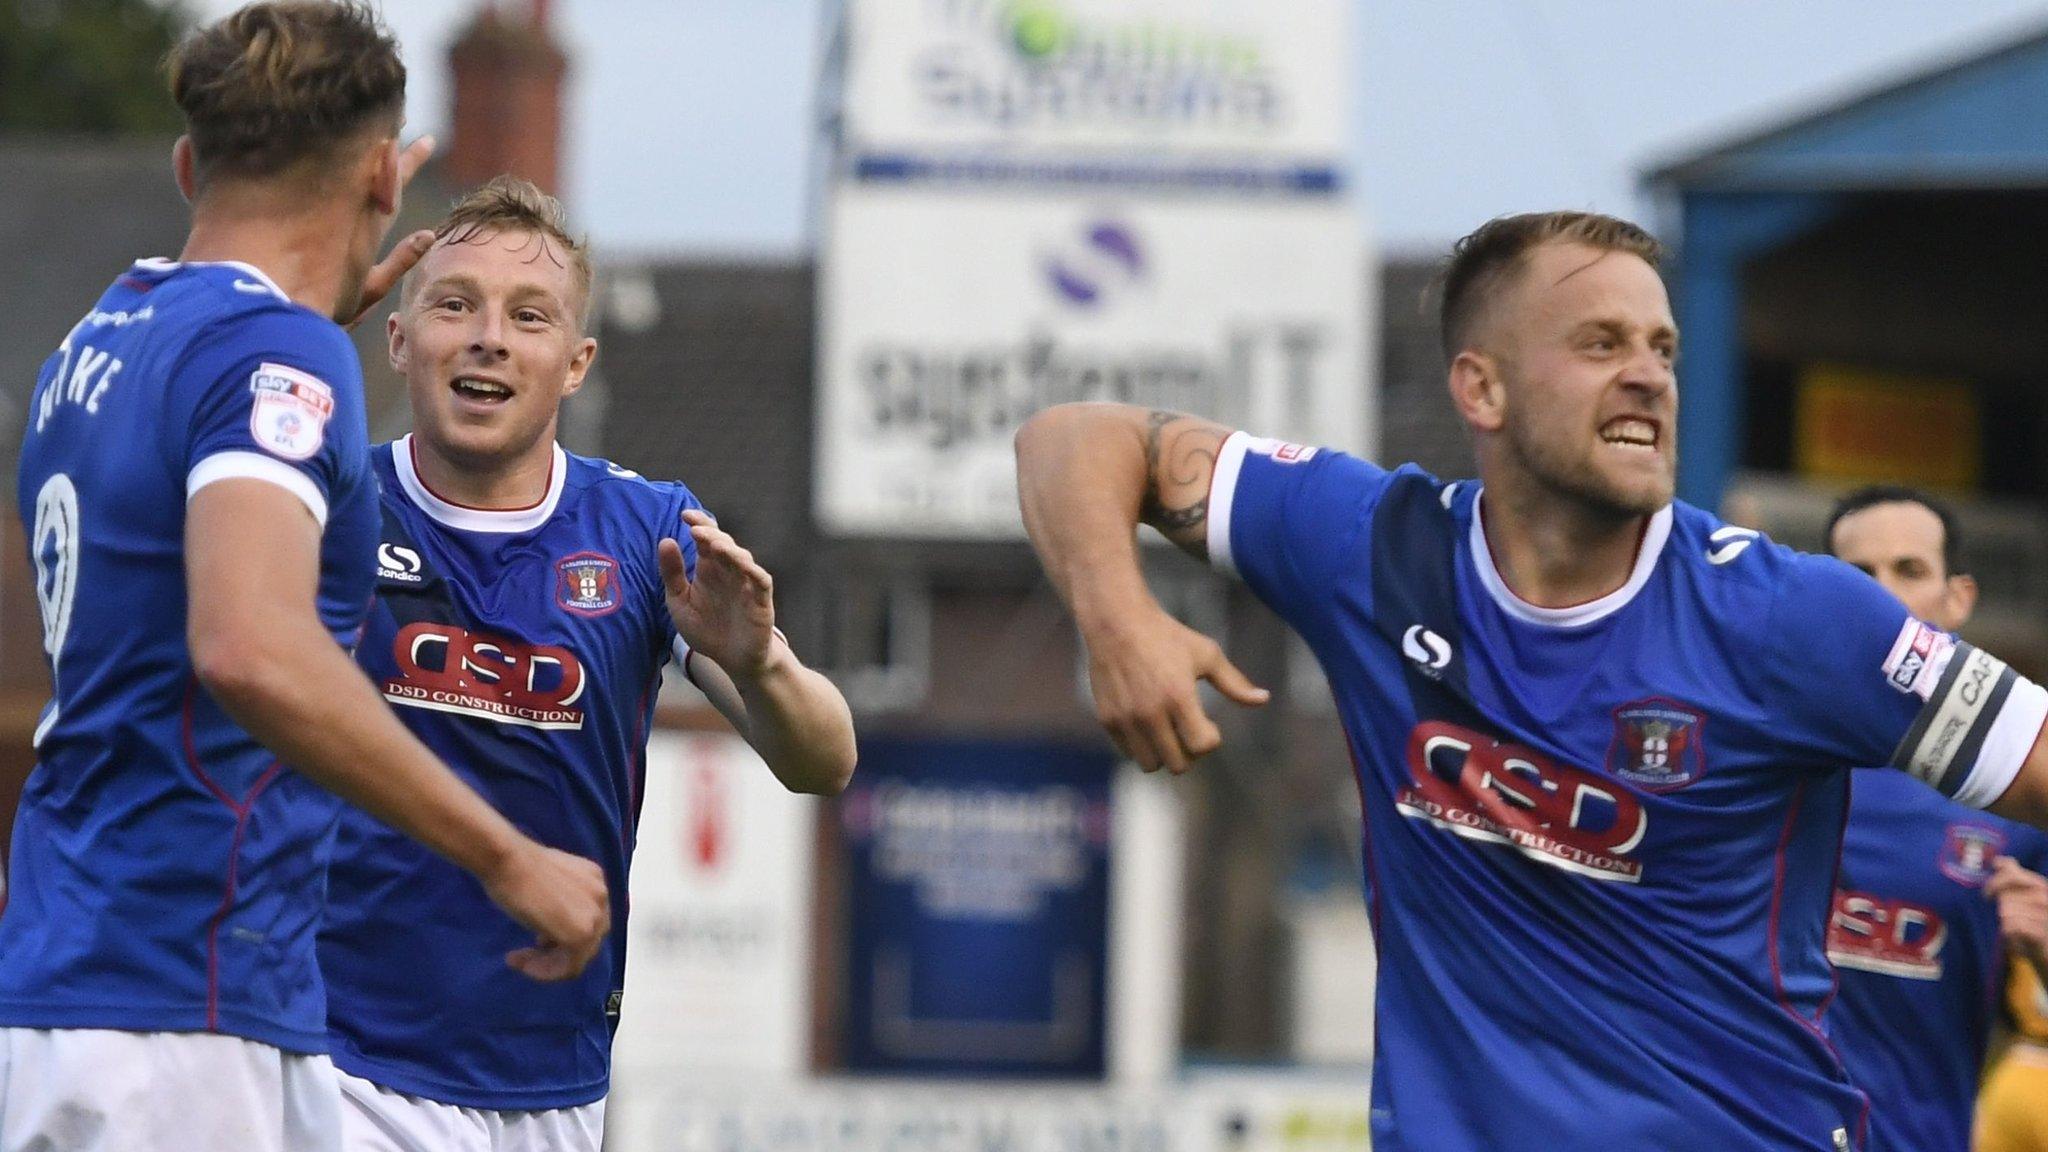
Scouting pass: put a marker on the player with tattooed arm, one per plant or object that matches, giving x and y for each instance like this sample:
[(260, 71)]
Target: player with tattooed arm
[(1603, 739)]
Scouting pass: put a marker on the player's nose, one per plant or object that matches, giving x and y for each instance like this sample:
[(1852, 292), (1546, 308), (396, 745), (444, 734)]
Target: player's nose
[(1649, 372), (488, 337)]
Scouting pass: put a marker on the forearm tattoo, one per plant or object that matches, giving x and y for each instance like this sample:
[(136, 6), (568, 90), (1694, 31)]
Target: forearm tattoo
[(1175, 458)]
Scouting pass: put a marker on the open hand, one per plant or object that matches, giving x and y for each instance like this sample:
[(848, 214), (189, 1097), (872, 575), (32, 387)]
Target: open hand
[(728, 611), (1145, 673)]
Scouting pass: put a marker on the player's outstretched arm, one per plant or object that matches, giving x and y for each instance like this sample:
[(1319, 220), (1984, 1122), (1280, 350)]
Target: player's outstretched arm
[(1087, 476), (792, 715), (259, 648)]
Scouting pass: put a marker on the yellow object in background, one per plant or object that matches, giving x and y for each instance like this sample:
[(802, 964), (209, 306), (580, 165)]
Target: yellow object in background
[(2012, 1108), (1864, 427)]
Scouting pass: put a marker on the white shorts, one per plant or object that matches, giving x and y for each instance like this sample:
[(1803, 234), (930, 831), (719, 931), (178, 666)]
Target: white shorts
[(376, 1119), (95, 1090)]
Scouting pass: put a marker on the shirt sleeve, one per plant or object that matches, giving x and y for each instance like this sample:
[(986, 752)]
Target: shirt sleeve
[(1858, 681), (274, 397), (1284, 517)]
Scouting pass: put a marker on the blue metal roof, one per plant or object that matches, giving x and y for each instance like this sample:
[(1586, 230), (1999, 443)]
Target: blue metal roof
[(1976, 122)]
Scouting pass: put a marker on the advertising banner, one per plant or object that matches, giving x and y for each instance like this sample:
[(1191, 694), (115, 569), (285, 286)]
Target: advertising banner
[(718, 973), (1245, 81), (978, 878), (1226, 1112), (950, 317)]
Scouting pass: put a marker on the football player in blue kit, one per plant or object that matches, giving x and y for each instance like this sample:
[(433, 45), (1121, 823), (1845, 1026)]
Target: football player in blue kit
[(527, 602), (1603, 740), (195, 479), (1931, 894)]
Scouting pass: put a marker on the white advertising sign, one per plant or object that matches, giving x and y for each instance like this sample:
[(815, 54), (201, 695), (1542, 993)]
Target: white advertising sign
[(949, 317), (1274, 1112), (1245, 79), (718, 966)]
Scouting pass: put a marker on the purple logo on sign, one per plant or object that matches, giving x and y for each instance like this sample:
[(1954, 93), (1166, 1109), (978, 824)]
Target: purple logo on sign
[(1108, 256)]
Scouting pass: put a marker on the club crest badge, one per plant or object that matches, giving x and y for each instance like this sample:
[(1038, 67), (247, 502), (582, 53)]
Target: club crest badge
[(1657, 744), (1967, 852), (587, 584)]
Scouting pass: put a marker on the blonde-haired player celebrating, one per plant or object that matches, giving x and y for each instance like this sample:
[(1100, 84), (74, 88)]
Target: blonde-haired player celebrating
[(527, 602)]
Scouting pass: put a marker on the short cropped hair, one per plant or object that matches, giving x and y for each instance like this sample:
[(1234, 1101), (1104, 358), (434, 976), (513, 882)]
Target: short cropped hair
[(1875, 494), (1485, 262), (510, 204), (276, 83)]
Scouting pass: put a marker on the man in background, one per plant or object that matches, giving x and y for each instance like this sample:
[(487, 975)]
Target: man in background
[(1933, 898)]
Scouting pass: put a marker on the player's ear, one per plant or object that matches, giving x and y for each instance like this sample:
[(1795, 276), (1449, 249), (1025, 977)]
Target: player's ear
[(184, 170), (1475, 384), (395, 345), (579, 365), (385, 184), (1962, 594)]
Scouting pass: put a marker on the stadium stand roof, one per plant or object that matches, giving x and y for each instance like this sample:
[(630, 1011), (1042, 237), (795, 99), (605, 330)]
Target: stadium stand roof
[(1980, 119), (1975, 125)]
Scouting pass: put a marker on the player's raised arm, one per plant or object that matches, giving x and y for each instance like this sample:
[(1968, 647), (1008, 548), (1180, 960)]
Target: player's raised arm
[(1087, 476), (792, 715), (258, 647)]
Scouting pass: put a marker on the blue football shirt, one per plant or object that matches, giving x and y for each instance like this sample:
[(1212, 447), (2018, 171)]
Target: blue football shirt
[(526, 649), (1600, 841), (1918, 952), (167, 872)]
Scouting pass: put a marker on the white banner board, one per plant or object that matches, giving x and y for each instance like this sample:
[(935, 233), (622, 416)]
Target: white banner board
[(949, 317), (718, 959), (1270, 1112), (1249, 80)]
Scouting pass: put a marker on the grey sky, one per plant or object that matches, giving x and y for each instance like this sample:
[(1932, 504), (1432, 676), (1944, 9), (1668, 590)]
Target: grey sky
[(692, 117)]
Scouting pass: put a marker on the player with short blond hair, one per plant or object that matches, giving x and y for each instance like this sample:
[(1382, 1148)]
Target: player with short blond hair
[(527, 602)]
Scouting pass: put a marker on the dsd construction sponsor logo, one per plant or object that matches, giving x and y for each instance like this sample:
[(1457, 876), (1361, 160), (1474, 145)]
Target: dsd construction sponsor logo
[(1891, 937), (1038, 65), (1502, 793), (450, 669)]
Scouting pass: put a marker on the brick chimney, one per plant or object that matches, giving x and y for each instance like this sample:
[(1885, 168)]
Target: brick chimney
[(508, 74)]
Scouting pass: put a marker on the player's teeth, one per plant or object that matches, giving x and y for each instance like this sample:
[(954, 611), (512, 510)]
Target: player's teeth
[(1630, 432)]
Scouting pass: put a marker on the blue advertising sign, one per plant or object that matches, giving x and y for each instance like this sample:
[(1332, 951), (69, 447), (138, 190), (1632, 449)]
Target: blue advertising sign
[(980, 908)]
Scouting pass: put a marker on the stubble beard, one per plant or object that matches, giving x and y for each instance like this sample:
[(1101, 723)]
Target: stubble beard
[(1578, 482)]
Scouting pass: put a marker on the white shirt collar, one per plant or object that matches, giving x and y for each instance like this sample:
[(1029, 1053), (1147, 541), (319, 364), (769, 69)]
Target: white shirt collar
[(1577, 615), (160, 264), (470, 519)]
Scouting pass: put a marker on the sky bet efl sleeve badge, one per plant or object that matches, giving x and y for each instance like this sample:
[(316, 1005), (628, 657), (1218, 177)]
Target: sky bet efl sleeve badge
[(289, 418)]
